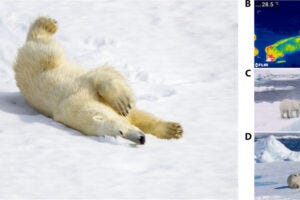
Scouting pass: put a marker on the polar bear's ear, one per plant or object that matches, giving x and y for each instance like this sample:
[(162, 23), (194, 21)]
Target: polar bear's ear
[(98, 118)]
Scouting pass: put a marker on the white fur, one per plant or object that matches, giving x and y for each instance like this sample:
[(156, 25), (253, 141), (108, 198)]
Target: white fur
[(294, 181), (288, 107), (96, 102)]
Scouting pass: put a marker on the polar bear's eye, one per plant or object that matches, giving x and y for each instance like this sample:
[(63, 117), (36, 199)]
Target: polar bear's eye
[(121, 133)]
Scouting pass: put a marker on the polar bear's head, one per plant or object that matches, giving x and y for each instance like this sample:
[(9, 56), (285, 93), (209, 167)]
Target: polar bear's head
[(135, 136), (272, 54), (120, 128)]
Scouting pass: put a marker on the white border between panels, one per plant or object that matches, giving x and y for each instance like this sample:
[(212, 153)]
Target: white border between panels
[(246, 100)]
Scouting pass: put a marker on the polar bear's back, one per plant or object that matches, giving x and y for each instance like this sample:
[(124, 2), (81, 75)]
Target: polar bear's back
[(44, 82), (289, 104)]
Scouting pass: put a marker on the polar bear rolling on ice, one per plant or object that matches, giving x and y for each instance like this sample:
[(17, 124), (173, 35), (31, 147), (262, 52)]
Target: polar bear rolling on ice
[(96, 102), (288, 107)]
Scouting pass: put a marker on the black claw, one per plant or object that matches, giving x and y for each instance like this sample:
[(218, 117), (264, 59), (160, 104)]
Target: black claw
[(119, 106)]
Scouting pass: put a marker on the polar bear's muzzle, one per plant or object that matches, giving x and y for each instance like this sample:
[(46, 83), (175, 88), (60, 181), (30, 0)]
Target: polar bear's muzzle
[(135, 136)]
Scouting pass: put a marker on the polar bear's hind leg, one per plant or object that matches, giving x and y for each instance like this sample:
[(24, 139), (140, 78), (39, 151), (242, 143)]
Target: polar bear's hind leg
[(42, 28), (289, 114), (47, 53), (150, 124)]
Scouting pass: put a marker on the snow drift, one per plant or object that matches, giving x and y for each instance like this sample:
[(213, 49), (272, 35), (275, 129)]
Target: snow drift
[(269, 149)]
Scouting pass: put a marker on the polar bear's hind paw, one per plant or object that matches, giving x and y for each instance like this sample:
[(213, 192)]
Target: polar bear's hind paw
[(174, 130), (169, 130), (50, 25), (45, 23)]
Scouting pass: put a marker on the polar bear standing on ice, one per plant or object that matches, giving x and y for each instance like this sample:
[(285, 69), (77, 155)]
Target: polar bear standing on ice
[(96, 102), (288, 107), (294, 181)]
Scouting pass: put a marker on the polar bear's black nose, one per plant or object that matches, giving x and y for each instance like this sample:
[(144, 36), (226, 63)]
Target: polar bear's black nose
[(142, 139)]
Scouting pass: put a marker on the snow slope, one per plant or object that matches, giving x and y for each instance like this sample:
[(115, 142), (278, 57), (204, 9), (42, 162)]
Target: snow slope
[(269, 149), (179, 56)]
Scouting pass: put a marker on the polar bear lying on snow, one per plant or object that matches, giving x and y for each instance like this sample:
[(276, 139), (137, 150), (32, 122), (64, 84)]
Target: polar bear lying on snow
[(96, 102), (294, 181), (288, 107)]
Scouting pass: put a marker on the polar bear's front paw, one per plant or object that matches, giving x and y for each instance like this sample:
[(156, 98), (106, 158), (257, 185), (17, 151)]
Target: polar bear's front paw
[(170, 130), (123, 105), (119, 97)]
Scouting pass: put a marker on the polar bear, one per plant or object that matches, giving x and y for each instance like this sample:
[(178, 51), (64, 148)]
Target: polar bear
[(288, 107), (96, 102), (294, 181)]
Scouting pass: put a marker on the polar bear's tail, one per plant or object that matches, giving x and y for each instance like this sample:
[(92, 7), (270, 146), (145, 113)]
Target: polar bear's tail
[(42, 28)]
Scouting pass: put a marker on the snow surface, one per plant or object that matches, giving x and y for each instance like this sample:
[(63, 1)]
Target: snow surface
[(271, 181), (268, 118), (274, 163), (181, 59)]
